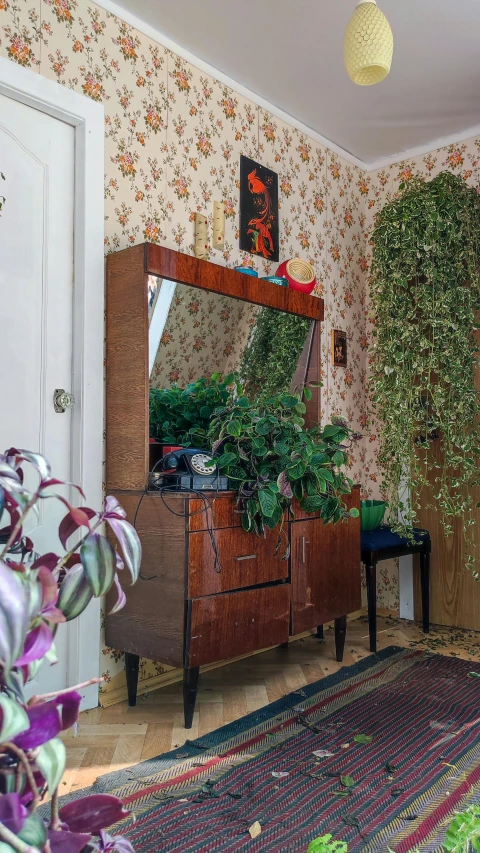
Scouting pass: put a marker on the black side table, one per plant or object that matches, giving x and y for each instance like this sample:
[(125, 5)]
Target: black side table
[(384, 544)]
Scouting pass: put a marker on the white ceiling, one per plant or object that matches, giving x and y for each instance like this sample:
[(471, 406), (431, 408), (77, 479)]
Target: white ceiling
[(291, 54)]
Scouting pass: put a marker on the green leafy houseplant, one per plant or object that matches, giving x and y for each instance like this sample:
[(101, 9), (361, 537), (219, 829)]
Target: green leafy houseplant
[(182, 415), (327, 844), (269, 361), (425, 296), (270, 458), (463, 834)]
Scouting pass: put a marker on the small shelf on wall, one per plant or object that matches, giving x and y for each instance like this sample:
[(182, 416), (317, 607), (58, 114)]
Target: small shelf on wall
[(198, 273)]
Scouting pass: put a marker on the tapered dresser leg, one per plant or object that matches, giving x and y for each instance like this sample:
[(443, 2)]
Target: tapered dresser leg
[(320, 633), (340, 635), (132, 663), (190, 689)]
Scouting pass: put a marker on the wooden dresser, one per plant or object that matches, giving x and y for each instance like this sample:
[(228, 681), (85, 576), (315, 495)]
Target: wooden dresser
[(192, 606)]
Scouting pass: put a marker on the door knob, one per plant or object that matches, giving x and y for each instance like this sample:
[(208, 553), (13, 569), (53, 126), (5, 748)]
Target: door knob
[(62, 400)]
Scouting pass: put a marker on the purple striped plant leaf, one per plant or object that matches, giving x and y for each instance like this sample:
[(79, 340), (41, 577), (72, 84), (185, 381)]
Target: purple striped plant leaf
[(74, 519), (67, 842), (14, 614), (93, 813), (12, 813), (75, 593), (113, 509), (99, 563), (38, 642), (129, 543), (121, 597)]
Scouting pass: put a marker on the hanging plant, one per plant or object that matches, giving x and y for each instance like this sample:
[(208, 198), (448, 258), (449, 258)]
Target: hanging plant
[(270, 359), (426, 295)]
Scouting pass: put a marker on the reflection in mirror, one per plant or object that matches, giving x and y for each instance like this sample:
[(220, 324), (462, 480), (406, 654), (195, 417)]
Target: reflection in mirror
[(195, 333)]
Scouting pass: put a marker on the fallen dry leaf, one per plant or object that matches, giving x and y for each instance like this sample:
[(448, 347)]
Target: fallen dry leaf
[(280, 775), (255, 829), (322, 753)]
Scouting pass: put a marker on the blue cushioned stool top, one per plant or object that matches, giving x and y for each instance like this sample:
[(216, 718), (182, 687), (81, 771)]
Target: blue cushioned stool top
[(383, 538)]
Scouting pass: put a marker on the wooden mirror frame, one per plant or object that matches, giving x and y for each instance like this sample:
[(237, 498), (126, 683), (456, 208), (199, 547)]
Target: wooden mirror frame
[(127, 347)]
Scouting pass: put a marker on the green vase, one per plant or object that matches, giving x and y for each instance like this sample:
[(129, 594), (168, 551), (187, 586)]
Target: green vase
[(371, 514)]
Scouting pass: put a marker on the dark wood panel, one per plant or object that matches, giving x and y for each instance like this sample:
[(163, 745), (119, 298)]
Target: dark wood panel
[(197, 273), (223, 512), (236, 623), (127, 370), (325, 570), (454, 599), (245, 560), (152, 622)]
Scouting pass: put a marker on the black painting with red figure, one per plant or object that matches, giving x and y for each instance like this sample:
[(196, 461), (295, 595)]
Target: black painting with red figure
[(258, 209)]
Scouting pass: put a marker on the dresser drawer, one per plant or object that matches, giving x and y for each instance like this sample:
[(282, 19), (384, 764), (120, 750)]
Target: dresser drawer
[(245, 560), (214, 511), (225, 626)]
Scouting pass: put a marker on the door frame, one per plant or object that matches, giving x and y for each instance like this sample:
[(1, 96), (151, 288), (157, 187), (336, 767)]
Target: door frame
[(87, 119)]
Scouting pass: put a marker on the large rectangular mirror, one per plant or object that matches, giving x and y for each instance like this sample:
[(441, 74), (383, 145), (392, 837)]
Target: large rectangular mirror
[(194, 333)]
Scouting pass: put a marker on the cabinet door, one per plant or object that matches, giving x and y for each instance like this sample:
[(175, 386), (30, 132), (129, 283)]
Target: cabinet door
[(325, 572), (226, 626)]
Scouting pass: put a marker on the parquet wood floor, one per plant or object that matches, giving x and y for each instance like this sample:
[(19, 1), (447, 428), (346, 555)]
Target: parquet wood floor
[(119, 736)]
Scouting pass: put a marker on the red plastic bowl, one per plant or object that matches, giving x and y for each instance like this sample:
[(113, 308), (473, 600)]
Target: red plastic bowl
[(299, 274)]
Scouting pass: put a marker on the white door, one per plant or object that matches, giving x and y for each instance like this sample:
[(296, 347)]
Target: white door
[(36, 293)]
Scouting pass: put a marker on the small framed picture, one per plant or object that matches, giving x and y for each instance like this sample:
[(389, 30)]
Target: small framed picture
[(339, 348)]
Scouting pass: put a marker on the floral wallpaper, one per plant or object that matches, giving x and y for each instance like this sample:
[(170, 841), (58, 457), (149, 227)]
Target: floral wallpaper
[(173, 140), (204, 333)]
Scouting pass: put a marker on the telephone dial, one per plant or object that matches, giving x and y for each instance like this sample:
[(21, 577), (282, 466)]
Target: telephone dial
[(186, 468)]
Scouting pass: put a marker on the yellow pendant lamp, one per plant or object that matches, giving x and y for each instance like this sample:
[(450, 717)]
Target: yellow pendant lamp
[(368, 47)]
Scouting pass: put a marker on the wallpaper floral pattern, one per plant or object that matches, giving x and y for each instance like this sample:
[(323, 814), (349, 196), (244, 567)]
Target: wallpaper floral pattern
[(173, 140), (204, 333)]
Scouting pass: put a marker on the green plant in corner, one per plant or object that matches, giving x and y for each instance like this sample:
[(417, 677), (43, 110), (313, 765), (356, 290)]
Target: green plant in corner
[(327, 844), (270, 458), (463, 834), (425, 290)]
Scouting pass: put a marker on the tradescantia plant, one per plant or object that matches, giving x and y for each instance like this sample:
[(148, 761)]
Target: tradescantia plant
[(270, 458), (37, 592), (426, 294)]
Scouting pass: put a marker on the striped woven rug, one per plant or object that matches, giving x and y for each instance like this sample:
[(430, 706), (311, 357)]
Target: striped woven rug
[(380, 755)]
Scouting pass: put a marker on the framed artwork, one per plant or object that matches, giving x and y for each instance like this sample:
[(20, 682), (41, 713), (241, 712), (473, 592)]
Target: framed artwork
[(258, 210), (339, 348)]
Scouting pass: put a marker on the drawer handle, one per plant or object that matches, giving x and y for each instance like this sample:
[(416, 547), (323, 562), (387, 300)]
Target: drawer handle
[(246, 557), (304, 549)]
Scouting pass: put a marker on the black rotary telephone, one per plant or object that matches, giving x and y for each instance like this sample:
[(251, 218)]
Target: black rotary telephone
[(187, 469)]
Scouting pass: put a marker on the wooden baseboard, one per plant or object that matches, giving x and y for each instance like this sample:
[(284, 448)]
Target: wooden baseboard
[(154, 682)]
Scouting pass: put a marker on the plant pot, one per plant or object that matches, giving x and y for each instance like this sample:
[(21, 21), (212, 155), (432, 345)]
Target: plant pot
[(371, 514)]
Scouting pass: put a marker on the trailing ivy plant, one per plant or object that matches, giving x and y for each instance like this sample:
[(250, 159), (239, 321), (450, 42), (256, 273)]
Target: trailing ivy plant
[(270, 358), (426, 295), (270, 458)]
